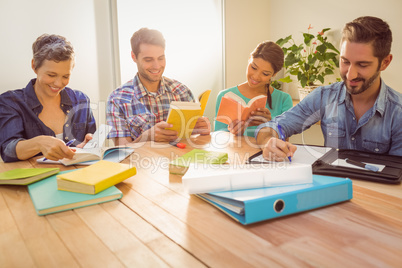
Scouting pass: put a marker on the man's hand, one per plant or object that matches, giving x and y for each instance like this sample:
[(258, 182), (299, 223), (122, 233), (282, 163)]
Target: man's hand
[(278, 150), (202, 127), (159, 133)]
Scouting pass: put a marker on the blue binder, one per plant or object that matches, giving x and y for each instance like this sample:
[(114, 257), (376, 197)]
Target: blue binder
[(254, 205)]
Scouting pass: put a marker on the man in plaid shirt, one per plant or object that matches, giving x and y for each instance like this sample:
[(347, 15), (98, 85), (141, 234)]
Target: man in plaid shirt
[(138, 109)]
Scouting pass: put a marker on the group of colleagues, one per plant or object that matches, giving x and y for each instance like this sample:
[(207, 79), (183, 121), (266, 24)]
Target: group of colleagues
[(360, 113)]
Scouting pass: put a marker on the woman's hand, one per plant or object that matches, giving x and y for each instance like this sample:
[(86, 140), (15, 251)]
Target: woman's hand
[(51, 148), (237, 127), (88, 137), (55, 149), (262, 115)]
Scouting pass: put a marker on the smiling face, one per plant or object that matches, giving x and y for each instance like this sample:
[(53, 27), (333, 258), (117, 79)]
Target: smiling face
[(259, 73), (359, 68), (151, 63), (52, 77)]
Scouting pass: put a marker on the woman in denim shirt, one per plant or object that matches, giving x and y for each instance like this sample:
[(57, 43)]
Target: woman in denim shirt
[(46, 114)]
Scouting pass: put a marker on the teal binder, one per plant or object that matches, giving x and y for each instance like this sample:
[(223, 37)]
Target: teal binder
[(254, 205)]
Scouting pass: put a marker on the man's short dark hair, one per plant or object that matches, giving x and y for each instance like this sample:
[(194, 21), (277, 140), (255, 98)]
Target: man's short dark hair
[(146, 36), (370, 30)]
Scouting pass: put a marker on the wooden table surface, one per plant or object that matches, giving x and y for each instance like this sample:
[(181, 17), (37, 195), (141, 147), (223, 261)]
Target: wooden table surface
[(157, 224)]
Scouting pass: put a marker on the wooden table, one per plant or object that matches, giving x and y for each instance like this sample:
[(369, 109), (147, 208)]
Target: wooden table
[(157, 224)]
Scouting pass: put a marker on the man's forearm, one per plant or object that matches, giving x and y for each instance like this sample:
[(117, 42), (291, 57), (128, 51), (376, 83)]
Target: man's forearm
[(265, 134), (122, 141)]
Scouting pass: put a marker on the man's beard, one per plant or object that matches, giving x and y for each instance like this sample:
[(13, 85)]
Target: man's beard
[(366, 84)]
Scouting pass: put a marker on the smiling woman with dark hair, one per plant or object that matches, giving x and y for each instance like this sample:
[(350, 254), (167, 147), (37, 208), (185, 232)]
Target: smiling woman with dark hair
[(46, 114), (264, 63)]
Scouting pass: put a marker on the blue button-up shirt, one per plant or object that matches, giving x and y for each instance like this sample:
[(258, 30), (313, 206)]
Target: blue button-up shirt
[(19, 110), (379, 130)]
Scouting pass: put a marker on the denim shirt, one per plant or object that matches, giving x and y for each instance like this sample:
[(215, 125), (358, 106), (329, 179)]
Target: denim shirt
[(378, 130), (19, 111)]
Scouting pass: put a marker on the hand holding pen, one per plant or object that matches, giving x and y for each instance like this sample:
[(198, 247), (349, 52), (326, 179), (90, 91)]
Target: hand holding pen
[(277, 149), (68, 144), (282, 137)]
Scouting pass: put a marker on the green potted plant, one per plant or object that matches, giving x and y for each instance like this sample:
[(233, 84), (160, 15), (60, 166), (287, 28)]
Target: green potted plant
[(310, 61)]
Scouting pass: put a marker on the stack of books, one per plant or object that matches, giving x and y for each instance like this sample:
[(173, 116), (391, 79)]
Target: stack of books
[(78, 188)]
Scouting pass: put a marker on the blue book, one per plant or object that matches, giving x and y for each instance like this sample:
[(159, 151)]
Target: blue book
[(254, 205), (47, 199)]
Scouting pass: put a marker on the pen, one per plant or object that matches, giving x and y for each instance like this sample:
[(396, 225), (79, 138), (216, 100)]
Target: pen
[(282, 137), (363, 165), (67, 144), (178, 144)]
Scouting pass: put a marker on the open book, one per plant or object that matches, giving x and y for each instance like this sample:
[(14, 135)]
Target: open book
[(233, 107), (90, 156), (93, 151), (183, 115)]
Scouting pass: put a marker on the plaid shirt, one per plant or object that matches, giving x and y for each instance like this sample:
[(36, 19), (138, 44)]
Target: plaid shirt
[(132, 109)]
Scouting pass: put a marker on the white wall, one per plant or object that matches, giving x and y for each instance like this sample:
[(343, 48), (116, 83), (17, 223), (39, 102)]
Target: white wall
[(247, 24)]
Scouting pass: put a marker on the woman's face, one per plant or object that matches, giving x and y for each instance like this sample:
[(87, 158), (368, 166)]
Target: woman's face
[(259, 72), (52, 77)]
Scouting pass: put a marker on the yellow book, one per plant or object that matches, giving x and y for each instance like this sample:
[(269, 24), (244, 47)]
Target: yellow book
[(183, 115), (95, 178)]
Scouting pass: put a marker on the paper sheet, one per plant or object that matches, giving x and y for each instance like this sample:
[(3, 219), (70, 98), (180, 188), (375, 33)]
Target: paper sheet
[(342, 163), (303, 155)]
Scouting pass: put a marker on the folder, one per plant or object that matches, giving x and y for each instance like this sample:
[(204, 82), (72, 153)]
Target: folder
[(390, 166), (254, 205), (332, 162)]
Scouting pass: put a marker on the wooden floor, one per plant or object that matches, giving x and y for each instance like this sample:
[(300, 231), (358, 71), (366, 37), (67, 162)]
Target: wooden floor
[(157, 224)]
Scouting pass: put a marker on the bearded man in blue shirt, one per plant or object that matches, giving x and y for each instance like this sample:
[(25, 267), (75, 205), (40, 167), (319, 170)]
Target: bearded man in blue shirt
[(360, 113)]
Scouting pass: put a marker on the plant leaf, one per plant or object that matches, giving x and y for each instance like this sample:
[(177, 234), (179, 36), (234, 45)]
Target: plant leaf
[(286, 79), (283, 41), (307, 38)]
